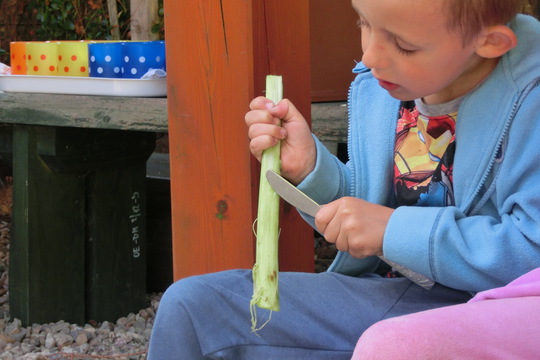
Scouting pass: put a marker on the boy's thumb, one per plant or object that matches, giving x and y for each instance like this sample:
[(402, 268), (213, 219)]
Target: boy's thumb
[(285, 110)]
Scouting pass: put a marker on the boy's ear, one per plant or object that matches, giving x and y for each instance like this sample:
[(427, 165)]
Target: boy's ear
[(496, 41)]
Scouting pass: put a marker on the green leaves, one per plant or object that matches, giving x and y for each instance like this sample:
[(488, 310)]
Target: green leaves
[(84, 19), (77, 19)]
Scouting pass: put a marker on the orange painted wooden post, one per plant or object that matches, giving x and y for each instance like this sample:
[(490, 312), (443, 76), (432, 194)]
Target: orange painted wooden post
[(214, 70)]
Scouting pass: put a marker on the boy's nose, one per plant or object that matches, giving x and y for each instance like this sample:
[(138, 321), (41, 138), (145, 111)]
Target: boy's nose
[(373, 56)]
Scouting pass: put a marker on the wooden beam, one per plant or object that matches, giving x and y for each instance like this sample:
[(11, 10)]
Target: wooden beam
[(144, 14), (214, 72), (113, 19)]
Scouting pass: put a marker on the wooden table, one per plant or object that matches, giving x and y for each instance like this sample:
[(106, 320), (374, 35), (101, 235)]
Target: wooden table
[(100, 112)]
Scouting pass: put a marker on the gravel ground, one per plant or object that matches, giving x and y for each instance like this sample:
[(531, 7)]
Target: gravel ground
[(125, 339)]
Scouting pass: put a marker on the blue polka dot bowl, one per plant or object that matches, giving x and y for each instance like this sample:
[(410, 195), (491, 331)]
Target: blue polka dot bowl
[(105, 59), (140, 56)]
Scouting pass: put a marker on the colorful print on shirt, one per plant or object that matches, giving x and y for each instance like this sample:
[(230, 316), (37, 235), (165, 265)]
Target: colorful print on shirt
[(424, 159)]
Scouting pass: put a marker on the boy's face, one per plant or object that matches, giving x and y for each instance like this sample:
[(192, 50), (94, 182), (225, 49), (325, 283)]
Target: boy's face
[(410, 50)]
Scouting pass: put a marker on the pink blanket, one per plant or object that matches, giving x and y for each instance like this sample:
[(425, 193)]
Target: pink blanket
[(526, 285), (507, 327)]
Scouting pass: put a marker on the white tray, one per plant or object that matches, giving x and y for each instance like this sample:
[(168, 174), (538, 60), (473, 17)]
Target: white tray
[(84, 85)]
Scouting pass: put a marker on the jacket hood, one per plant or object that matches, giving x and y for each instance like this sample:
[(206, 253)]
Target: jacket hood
[(522, 64)]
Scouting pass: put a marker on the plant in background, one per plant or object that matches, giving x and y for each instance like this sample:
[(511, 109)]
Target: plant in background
[(28, 20), (159, 27), (78, 19), (17, 22)]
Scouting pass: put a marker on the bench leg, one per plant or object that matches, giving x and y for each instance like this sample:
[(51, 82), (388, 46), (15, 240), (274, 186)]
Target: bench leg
[(78, 248), (116, 242), (46, 272)]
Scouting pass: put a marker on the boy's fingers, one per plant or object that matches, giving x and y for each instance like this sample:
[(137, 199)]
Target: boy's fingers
[(285, 110), (260, 143), (324, 216), (258, 129), (260, 116), (260, 103)]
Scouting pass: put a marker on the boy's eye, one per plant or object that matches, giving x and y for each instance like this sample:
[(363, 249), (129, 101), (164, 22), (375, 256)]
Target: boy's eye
[(402, 50), (362, 23)]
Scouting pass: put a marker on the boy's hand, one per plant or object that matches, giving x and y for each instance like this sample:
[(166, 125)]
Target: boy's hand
[(298, 152), (354, 225)]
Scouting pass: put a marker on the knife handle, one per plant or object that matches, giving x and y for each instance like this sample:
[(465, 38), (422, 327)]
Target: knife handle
[(419, 279)]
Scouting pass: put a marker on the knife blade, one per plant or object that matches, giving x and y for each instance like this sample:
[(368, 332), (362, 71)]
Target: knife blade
[(291, 194), (302, 202)]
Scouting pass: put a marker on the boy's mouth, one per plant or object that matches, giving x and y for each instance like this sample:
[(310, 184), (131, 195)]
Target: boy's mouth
[(388, 86)]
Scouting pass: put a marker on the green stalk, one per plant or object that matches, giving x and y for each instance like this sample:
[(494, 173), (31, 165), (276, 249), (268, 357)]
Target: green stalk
[(265, 270)]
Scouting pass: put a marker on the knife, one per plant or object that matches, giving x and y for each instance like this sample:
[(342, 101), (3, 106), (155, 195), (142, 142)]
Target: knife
[(291, 194), (302, 202)]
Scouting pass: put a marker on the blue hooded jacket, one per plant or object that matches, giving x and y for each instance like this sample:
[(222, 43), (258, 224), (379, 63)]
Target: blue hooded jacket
[(492, 235)]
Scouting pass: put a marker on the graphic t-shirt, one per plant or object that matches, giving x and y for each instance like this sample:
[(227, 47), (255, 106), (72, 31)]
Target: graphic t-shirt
[(424, 154)]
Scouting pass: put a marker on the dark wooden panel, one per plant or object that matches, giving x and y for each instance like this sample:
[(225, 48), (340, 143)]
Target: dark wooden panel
[(335, 48), (78, 249), (48, 233)]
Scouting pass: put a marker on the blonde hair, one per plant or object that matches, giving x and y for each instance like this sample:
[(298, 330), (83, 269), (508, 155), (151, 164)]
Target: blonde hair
[(469, 17)]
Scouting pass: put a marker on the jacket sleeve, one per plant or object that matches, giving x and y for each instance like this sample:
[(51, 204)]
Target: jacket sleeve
[(329, 180)]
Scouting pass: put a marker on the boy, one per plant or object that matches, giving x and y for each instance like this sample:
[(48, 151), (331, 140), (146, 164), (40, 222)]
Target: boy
[(454, 200)]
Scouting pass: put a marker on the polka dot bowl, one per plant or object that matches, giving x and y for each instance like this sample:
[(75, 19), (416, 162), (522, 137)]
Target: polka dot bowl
[(17, 51), (41, 58), (72, 58), (139, 57), (105, 59)]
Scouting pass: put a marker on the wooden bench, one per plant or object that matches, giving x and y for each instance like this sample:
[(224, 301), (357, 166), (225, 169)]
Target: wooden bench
[(78, 250)]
